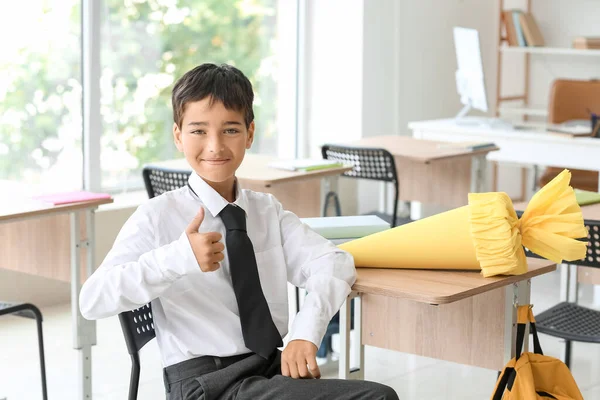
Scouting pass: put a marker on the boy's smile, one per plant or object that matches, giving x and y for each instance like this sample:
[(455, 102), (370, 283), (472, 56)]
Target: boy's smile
[(214, 140)]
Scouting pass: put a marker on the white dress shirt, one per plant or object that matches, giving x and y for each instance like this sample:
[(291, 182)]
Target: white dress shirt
[(195, 313)]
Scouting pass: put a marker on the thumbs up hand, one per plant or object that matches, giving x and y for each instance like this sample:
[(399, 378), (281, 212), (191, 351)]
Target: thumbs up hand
[(206, 246)]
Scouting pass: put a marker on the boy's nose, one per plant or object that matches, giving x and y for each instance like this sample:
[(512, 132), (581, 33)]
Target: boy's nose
[(215, 145)]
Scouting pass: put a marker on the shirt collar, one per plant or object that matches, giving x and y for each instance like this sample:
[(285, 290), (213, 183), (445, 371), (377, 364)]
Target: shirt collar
[(213, 201)]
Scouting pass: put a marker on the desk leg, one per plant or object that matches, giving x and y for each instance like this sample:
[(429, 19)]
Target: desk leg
[(569, 285), (84, 331), (478, 174), (329, 184), (516, 294), (345, 370)]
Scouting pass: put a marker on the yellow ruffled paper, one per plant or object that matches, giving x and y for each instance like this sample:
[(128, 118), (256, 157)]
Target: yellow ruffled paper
[(549, 227), (486, 235)]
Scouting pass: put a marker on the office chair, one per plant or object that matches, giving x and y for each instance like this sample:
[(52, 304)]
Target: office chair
[(159, 180), (27, 310), (570, 321), (138, 329), (569, 100), (369, 163)]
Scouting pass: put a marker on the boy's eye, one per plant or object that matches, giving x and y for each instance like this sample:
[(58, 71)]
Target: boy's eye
[(198, 132), (231, 131)]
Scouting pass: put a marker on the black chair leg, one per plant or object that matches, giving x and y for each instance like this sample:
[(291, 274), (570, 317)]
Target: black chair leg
[(42, 358), (134, 380), (568, 353)]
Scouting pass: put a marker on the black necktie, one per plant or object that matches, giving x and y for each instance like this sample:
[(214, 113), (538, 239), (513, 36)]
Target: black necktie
[(260, 333)]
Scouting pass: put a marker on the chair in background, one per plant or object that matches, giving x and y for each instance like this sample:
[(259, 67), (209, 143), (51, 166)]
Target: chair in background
[(159, 180), (138, 330), (570, 321), (368, 163), (571, 100), (27, 310)]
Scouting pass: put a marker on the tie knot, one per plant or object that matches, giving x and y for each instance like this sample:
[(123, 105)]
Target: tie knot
[(233, 217)]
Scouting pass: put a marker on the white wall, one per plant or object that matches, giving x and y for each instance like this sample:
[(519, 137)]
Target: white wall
[(377, 65)]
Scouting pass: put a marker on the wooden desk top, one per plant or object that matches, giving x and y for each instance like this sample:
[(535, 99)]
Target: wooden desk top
[(438, 287), (15, 209), (591, 212), (417, 149), (255, 168)]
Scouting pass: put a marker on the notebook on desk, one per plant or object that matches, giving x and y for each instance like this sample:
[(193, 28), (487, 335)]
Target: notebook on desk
[(305, 164), (585, 197), (471, 146), (71, 197)]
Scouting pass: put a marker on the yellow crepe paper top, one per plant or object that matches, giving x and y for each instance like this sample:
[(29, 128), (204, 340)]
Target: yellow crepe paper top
[(486, 235)]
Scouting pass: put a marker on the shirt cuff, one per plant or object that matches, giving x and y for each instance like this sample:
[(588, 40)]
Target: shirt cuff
[(310, 324)]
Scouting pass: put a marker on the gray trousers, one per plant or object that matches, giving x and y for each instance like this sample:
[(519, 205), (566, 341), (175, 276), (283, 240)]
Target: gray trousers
[(250, 377)]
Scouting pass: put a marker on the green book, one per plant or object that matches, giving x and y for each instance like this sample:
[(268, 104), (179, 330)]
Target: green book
[(585, 198)]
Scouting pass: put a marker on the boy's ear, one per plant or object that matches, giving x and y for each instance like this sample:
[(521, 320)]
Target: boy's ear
[(177, 137), (250, 137)]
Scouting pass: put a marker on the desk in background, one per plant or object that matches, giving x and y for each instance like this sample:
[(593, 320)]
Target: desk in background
[(457, 316), (302, 192), (430, 172), (518, 146), (55, 242)]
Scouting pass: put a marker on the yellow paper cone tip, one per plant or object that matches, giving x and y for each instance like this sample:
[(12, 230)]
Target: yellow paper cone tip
[(486, 235)]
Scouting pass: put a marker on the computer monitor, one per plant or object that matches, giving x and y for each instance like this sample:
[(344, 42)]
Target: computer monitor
[(469, 75)]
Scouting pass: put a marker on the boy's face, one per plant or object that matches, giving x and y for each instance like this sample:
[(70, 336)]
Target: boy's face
[(214, 141)]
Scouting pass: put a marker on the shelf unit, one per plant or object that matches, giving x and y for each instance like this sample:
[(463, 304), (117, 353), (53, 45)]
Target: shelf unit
[(551, 51), (526, 110)]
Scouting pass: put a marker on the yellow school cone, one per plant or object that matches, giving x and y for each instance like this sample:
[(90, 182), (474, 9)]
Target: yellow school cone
[(485, 235)]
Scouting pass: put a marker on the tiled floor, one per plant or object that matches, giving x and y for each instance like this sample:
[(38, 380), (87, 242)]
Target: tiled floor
[(412, 377)]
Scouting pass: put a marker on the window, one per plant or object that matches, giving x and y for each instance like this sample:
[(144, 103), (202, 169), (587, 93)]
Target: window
[(147, 45), (40, 94)]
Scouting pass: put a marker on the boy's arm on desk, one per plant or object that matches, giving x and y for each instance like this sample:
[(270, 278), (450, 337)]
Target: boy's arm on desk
[(135, 271), (324, 270)]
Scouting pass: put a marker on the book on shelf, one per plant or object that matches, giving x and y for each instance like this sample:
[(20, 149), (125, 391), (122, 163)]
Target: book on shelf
[(584, 43), (521, 29), (531, 30), (71, 197), (305, 164)]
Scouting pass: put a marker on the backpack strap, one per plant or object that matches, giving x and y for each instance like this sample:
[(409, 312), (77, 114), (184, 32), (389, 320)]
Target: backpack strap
[(524, 316)]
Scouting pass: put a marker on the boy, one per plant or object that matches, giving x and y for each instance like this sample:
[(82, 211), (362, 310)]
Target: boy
[(215, 260)]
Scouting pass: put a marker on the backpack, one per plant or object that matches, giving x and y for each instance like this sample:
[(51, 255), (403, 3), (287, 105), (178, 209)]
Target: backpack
[(532, 376)]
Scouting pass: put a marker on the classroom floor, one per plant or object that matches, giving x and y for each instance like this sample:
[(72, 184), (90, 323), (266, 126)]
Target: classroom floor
[(411, 376)]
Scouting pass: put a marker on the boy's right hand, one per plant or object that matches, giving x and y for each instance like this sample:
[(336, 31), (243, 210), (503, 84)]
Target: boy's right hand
[(206, 246)]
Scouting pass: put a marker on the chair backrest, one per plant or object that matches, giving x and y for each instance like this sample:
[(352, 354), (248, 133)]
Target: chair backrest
[(573, 99), (138, 327), (159, 180), (369, 163), (592, 258)]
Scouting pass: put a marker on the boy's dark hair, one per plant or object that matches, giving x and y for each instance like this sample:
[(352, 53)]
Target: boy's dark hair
[(222, 83)]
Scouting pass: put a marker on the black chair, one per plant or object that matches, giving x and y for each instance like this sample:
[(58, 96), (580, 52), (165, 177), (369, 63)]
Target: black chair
[(27, 310), (369, 163), (159, 180), (138, 329), (570, 321)]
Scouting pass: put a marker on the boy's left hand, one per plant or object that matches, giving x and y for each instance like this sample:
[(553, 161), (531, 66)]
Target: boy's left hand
[(299, 360)]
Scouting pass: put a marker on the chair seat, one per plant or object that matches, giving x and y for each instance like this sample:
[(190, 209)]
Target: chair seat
[(570, 321), (26, 313), (580, 179)]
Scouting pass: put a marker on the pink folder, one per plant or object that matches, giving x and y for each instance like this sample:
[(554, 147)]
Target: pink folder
[(71, 197)]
